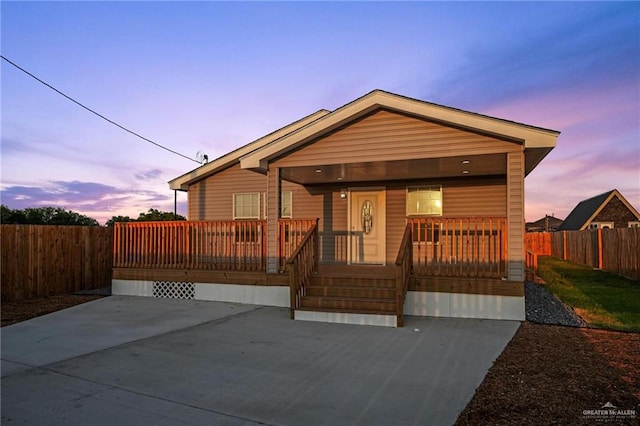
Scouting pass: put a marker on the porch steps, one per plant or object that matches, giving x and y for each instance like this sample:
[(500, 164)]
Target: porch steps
[(352, 295)]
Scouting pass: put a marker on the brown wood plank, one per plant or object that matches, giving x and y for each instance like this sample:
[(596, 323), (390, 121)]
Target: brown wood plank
[(467, 286), (201, 276)]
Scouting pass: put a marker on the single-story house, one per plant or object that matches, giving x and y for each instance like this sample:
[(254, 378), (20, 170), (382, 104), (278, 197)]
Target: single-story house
[(384, 207), (607, 210), (545, 224)]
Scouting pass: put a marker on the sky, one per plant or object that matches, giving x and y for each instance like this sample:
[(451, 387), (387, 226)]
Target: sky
[(213, 76)]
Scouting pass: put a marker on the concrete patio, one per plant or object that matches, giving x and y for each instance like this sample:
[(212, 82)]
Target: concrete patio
[(131, 360)]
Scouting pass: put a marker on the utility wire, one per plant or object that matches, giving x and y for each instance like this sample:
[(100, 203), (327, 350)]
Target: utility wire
[(96, 113)]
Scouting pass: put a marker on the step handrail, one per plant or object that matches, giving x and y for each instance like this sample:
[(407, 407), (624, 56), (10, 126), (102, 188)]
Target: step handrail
[(404, 266), (302, 264)]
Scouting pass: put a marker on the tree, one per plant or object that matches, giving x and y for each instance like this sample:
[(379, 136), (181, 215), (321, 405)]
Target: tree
[(9, 216), (154, 214), (150, 215), (46, 216), (115, 219)]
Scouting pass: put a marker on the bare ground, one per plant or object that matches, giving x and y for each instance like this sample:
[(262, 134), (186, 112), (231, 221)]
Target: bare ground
[(547, 374), (550, 374), (13, 312)]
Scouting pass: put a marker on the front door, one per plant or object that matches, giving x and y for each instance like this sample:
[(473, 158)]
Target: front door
[(367, 227)]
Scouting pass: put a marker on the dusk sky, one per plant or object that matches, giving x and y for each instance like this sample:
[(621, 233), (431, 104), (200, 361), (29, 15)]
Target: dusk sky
[(213, 76)]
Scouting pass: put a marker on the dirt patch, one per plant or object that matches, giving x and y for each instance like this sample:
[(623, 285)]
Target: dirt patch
[(13, 312), (551, 374)]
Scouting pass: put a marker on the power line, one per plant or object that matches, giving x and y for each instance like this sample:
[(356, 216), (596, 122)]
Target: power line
[(96, 113)]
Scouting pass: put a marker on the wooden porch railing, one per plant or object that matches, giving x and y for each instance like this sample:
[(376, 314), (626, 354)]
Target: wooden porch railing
[(404, 264), (531, 264), (460, 246), (302, 263), (290, 234), (223, 245)]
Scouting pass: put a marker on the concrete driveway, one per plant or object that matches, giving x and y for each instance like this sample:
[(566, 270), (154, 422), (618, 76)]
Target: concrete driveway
[(133, 361)]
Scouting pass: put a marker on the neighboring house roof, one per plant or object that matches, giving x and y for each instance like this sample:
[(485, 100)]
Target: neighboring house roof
[(587, 210), (233, 157), (537, 141), (546, 223)]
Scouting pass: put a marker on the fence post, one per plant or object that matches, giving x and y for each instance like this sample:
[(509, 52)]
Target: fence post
[(600, 266), (564, 245)]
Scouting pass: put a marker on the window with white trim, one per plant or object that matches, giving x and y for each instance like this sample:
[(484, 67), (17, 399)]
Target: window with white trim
[(246, 205), (424, 201), (633, 224), (601, 225)]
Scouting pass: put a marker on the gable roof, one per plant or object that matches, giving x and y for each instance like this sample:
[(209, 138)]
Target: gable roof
[(537, 140), (182, 182), (545, 222), (588, 209)]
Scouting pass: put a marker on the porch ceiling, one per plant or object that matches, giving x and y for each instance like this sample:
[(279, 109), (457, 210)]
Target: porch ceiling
[(424, 168)]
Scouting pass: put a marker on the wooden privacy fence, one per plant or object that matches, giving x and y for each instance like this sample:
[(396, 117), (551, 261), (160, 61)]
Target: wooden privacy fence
[(614, 250), (459, 247), (43, 260)]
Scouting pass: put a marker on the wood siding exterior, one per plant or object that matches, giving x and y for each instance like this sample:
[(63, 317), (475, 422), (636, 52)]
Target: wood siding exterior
[(515, 216), (461, 198), (212, 198), (369, 139), (381, 136)]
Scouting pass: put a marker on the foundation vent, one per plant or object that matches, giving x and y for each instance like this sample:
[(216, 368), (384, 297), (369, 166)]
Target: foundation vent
[(174, 290)]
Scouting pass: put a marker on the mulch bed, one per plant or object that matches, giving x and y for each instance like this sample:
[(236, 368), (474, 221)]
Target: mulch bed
[(547, 374), (550, 374), (13, 312)]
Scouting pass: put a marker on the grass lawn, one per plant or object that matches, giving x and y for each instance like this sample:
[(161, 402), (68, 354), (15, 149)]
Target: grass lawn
[(602, 299)]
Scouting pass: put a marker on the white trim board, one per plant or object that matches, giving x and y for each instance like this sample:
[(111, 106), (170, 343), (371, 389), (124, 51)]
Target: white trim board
[(417, 303), (458, 305), (248, 294)]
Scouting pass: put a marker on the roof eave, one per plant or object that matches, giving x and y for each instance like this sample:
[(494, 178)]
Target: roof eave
[(181, 183), (531, 137)]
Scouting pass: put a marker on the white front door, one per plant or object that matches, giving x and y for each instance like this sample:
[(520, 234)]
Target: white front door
[(367, 227)]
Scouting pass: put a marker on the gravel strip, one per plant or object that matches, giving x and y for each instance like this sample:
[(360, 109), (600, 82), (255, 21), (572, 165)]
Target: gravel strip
[(543, 307)]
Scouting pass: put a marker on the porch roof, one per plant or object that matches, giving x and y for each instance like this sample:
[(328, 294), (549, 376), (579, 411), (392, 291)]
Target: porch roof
[(537, 141), (421, 168)]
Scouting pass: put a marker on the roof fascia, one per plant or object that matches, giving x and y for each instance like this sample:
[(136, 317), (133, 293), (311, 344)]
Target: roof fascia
[(532, 137), (614, 193), (182, 182), (598, 210)]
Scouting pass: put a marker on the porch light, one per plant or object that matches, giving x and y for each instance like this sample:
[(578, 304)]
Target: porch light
[(465, 161), (339, 178), (343, 194), (465, 172), (318, 170)]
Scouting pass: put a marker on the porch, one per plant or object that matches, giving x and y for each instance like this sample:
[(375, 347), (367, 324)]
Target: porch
[(436, 255)]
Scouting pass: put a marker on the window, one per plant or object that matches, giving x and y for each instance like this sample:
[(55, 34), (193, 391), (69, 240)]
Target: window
[(246, 205), (286, 205), (634, 224), (601, 225), (424, 201)]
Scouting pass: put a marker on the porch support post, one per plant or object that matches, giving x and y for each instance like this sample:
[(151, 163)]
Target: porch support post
[(515, 216), (274, 183)]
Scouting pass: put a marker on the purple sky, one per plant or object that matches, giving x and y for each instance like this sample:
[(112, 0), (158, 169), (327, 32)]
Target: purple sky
[(210, 76)]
